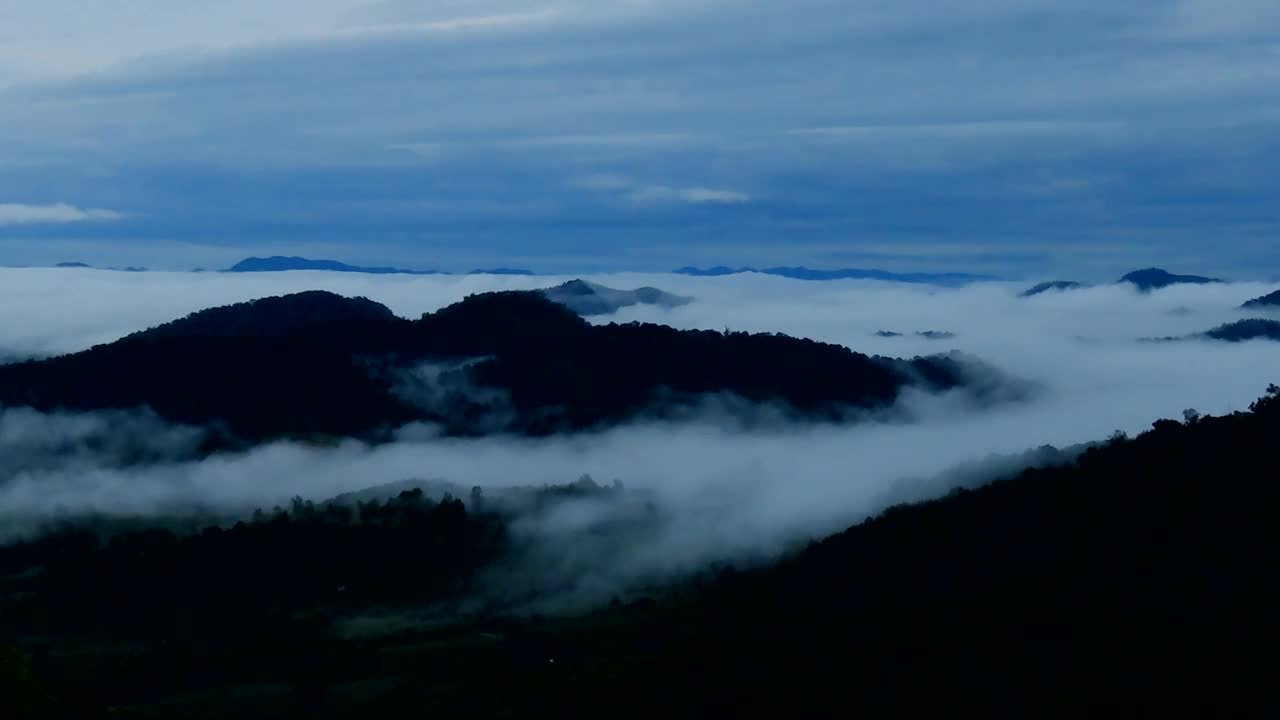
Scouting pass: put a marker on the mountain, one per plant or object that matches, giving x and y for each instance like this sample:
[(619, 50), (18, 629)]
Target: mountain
[(317, 364), (1155, 278), (926, 334), (1265, 302), (279, 263), (803, 273), (1138, 572), (1251, 329), (1033, 594), (586, 298), (73, 265), (311, 312), (1056, 285), (1238, 331), (502, 271)]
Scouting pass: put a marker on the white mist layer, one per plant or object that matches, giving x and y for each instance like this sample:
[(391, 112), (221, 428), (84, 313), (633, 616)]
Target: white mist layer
[(722, 492)]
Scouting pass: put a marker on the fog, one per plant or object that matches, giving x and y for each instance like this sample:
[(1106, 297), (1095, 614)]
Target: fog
[(721, 493)]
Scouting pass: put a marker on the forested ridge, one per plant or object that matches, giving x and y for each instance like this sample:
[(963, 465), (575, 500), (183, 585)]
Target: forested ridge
[(316, 364), (1141, 576)]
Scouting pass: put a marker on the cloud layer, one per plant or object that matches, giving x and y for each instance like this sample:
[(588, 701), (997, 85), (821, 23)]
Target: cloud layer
[(722, 492), (16, 214), (973, 135)]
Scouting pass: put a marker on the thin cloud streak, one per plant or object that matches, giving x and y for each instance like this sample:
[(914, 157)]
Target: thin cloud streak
[(19, 214)]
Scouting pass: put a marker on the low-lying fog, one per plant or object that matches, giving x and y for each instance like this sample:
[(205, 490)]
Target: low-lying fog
[(722, 491)]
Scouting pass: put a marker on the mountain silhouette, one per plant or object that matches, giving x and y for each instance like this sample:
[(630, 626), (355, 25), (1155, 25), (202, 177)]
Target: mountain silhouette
[(1155, 278), (318, 364), (926, 334), (1250, 329), (587, 298), (280, 263), (1270, 301), (1054, 285)]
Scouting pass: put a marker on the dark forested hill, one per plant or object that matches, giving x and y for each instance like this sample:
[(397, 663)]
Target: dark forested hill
[(1145, 570), (319, 364), (314, 312), (1266, 302), (1140, 576), (1250, 329)]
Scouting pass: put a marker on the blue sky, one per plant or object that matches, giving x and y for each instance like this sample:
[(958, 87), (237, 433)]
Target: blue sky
[(1056, 138)]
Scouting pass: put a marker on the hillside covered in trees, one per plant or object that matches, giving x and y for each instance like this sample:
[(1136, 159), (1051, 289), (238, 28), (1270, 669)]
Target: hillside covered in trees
[(1250, 329), (317, 364), (1266, 302), (1139, 576)]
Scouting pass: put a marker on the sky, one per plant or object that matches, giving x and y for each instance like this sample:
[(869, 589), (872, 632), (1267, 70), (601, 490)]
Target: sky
[(1058, 138)]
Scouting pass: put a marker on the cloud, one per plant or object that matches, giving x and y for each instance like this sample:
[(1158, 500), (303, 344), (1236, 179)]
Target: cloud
[(692, 195), (637, 193), (720, 491), (1205, 19), (965, 123), (18, 214)]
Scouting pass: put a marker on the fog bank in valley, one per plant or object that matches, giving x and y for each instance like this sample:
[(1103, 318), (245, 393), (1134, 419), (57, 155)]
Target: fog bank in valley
[(719, 492)]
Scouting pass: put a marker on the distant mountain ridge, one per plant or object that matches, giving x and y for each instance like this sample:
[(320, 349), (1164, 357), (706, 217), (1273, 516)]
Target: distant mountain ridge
[(280, 263), (1156, 278), (1145, 280), (804, 273)]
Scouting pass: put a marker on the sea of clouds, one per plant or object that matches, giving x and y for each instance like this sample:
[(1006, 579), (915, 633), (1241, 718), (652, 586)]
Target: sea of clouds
[(723, 492)]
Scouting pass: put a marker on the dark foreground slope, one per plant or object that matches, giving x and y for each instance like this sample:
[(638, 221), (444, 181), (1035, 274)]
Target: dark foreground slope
[(317, 364), (1146, 571), (1140, 578)]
